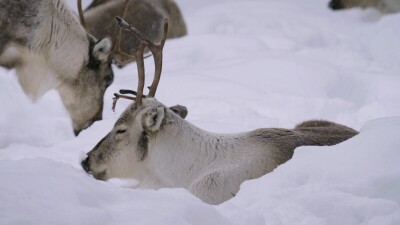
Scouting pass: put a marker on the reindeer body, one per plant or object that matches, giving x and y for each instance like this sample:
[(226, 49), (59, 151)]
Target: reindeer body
[(36, 52), (155, 146), (158, 148), (44, 42), (145, 15)]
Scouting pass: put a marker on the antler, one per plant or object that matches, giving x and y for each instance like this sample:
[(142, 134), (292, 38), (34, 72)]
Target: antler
[(81, 17), (156, 50), (120, 58)]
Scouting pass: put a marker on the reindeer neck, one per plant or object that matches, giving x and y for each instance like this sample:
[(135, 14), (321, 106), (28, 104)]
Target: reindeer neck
[(190, 137), (63, 38), (190, 147)]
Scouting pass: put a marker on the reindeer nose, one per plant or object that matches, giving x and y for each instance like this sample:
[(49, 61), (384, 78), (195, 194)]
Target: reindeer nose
[(76, 132), (85, 165)]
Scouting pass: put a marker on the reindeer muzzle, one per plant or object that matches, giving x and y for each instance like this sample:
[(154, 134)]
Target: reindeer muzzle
[(85, 165)]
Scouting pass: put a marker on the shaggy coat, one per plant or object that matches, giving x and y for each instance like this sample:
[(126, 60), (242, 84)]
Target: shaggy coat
[(145, 15), (44, 42), (159, 149)]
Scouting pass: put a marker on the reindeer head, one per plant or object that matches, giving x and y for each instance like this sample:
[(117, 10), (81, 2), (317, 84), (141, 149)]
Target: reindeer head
[(127, 143), (83, 95)]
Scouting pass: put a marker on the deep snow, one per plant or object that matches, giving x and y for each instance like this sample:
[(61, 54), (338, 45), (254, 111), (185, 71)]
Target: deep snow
[(245, 64)]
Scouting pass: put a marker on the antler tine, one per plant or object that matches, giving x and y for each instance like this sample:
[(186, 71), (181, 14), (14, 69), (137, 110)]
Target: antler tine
[(81, 16), (127, 91), (118, 96), (156, 50), (120, 57), (140, 66), (139, 61), (139, 92), (117, 35)]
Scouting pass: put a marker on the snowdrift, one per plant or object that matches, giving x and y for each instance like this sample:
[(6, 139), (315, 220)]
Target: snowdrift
[(245, 64)]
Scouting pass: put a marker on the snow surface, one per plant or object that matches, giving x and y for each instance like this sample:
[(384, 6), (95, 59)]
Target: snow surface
[(245, 64)]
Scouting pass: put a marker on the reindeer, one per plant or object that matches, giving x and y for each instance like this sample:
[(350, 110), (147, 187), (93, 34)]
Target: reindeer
[(384, 6), (159, 149), (44, 41), (145, 15)]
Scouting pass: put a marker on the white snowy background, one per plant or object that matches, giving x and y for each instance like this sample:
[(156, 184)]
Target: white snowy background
[(245, 64)]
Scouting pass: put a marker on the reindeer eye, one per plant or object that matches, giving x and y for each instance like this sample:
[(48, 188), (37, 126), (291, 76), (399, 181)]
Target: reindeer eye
[(108, 80), (121, 131), (155, 118)]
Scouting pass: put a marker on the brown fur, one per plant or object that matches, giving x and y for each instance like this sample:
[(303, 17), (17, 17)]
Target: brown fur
[(384, 6), (145, 15)]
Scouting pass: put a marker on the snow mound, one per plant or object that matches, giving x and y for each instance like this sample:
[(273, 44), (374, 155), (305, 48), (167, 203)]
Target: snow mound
[(245, 64)]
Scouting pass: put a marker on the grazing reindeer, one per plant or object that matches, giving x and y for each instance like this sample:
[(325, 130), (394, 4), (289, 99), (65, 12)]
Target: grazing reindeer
[(384, 6), (146, 15), (44, 41), (159, 149)]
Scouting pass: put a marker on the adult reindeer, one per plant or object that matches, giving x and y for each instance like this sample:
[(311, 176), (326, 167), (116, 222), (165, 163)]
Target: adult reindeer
[(44, 41), (146, 15), (159, 149)]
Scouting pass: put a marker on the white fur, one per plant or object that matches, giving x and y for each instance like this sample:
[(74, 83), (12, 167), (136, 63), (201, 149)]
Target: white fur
[(102, 49), (211, 166), (212, 174), (57, 50), (54, 54), (34, 75), (175, 153)]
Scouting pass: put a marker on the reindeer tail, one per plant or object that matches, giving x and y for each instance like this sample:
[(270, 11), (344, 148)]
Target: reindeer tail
[(320, 132)]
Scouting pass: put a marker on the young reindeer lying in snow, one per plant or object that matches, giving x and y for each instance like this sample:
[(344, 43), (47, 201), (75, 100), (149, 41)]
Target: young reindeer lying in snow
[(158, 148)]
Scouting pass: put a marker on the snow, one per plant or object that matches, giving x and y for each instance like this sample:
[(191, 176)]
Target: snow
[(245, 64), (356, 182)]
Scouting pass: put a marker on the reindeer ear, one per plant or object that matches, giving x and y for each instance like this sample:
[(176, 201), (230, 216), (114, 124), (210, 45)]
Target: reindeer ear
[(153, 119), (179, 110), (102, 49)]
